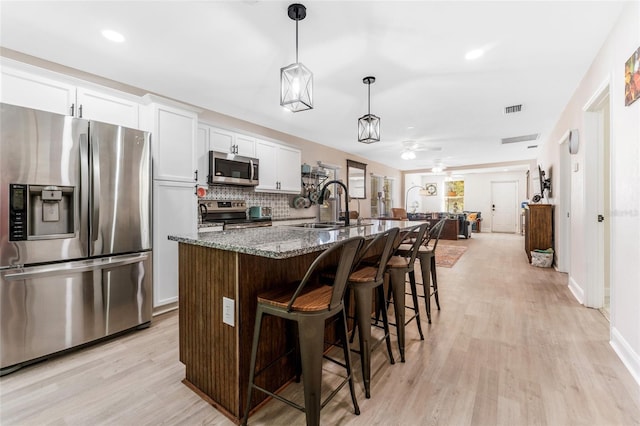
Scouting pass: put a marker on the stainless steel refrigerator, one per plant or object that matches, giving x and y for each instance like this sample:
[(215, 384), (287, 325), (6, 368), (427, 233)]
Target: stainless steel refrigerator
[(75, 240)]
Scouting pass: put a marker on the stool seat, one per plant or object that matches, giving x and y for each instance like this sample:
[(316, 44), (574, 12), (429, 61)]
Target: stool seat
[(363, 275), (398, 262), (311, 299)]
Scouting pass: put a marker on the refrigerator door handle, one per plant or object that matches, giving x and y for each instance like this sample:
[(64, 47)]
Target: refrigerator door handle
[(75, 267), (84, 191), (95, 192)]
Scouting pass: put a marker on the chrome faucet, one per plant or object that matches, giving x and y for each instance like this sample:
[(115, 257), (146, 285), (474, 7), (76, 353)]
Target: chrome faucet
[(346, 198)]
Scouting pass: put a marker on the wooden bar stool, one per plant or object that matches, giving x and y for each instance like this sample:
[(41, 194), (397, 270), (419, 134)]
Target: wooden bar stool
[(365, 278), (309, 303), (427, 257), (398, 266)]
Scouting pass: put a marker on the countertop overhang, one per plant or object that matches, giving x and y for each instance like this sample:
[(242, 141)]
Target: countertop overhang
[(281, 242)]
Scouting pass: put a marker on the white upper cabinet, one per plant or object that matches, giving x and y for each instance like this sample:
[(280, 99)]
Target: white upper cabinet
[(41, 90), (103, 106), (279, 169), (33, 91), (174, 138), (233, 143)]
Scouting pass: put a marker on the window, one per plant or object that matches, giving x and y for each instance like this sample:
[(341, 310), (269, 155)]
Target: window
[(454, 196)]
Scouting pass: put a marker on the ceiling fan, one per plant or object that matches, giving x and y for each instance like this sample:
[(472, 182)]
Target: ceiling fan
[(410, 147)]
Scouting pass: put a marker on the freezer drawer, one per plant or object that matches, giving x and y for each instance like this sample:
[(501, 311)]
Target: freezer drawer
[(49, 308)]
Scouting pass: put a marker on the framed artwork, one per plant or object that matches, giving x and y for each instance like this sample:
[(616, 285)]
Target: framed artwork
[(431, 189), (632, 78)]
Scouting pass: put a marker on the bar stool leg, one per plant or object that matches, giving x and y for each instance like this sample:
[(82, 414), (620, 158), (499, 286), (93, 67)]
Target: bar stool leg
[(414, 297), (347, 361), (311, 333), (435, 280), (252, 370), (425, 269), (380, 303), (363, 314), (398, 290)]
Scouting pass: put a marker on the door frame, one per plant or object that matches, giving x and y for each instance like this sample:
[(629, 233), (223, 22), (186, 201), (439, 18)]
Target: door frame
[(564, 211), (593, 113)]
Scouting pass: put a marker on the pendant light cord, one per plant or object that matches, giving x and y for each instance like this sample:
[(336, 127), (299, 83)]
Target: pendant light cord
[(296, 41), (369, 96)]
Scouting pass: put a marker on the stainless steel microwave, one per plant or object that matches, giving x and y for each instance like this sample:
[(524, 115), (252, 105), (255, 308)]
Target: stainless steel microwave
[(231, 169)]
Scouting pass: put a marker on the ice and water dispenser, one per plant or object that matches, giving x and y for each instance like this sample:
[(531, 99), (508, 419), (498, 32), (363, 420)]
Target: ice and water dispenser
[(41, 212)]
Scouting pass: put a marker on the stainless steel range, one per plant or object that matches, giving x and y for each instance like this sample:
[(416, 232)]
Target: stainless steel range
[(233, 213)]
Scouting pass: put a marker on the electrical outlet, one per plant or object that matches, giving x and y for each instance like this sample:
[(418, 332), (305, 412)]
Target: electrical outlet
[(228, 311)]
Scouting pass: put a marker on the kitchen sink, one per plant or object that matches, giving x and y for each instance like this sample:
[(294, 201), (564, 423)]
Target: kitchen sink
[(327, 226), (324, 226)]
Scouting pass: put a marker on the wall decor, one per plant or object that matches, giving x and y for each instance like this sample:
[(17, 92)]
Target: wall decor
[(632, 78), (431, 188)]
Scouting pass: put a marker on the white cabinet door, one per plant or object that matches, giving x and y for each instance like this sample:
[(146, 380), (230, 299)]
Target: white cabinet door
[(289, 161), (245, 146), (267, 170), (174, 213), (221, 140), (32, 91), (203, 148), (174, 144), (279, 168), (106, 107)]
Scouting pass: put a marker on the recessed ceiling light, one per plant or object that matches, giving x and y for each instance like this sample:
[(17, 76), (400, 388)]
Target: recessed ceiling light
[(113, 36), (410, 128), (474, 54)]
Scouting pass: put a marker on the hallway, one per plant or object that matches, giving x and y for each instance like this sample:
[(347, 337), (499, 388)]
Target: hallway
[(511, 346)]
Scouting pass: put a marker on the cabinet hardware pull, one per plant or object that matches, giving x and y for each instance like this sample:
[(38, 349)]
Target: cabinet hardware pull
[(196, 173), (73, 107), (195, 191), (80, 111)]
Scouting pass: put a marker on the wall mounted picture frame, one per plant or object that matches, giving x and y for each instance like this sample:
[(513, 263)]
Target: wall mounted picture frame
[(632, 78), (431, 189)]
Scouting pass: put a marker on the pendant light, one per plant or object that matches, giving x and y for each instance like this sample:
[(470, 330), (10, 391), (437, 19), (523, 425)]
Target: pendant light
[(369, 124), (296, 81)]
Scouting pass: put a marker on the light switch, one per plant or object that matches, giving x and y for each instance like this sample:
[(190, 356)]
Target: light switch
[(228, 311)]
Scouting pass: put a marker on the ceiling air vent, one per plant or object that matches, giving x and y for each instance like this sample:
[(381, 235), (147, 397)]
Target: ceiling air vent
[(524, 138), (512, 109)]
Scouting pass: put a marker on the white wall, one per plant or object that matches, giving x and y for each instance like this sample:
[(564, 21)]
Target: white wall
[(624, 218), (477, 192)]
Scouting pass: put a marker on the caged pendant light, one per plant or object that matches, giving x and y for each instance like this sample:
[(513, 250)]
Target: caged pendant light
[(369, 124), (296, 81)]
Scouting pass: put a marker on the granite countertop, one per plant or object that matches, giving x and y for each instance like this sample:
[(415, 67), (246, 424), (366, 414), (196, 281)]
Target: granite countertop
[(281, 242)]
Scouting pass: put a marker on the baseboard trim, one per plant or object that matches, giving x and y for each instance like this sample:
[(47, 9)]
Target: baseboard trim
[(163, 309), (577, 291), (625, 352)]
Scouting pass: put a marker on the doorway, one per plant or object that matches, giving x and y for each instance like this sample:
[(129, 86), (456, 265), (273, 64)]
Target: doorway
[(504, 206), (598, 202)]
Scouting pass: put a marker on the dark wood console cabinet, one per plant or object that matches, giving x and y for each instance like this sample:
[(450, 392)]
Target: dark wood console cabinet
[(538, 228)]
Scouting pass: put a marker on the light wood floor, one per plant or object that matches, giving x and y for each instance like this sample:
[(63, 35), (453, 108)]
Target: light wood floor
[(511, 346)]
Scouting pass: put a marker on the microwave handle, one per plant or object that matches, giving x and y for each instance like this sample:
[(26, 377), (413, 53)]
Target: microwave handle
[(252, 169)]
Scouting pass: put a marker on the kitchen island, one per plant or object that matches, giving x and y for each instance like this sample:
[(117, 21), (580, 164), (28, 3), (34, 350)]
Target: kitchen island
[(220, 274)]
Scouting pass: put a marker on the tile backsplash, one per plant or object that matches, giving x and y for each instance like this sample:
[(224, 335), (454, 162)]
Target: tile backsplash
[(280, 203)]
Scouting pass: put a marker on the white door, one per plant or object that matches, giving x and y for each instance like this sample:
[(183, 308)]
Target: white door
[(504, 206)]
